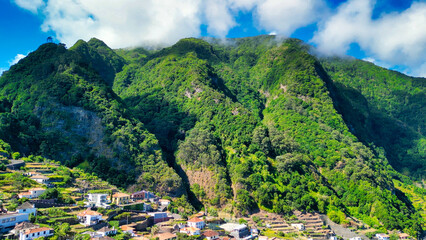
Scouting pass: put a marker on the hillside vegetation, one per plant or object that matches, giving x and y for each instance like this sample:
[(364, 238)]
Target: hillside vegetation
[(253, 123)]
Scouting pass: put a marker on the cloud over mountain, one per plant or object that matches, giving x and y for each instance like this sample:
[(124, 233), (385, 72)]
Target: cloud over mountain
[(395, 38)]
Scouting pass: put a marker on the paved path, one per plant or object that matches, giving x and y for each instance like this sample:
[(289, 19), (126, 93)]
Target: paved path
[(341, 231)]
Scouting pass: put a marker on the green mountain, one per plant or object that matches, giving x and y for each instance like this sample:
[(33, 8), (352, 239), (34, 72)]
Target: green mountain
[(242, 125)]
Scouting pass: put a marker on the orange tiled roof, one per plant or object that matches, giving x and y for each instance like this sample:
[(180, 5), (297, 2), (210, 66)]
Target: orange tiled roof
[(35, 230), (88, 212), (195, 220), (210, 233), (126, 228), (191, 229), (121, 195)]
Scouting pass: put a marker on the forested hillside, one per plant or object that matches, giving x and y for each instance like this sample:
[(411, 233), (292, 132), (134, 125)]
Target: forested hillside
[(242, 125)]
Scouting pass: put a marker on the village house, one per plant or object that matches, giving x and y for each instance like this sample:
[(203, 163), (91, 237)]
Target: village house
[(23, 227), (32, 193), (28, 208), (196, 222), (120, 198), (211, 235), (8, 221), (128, 229), (98, 200), (191, 231), (165, 236), (40, 179), (164, 202), (403, 236), (89, 217), (141, 195), (159, 216), (36, 233), (241, 231), (106, 231), (382, 236)]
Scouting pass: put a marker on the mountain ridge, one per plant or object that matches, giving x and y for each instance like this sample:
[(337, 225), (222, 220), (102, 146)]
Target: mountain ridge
[(273, 126)]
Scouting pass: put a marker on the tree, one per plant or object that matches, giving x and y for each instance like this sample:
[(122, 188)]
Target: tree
[(63, 231), (16, 155)]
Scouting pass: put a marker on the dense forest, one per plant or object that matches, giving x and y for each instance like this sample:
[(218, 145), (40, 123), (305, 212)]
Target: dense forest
[(242, 125)]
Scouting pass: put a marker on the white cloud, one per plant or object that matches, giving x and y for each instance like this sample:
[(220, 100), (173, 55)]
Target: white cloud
[(16, 59), (393, 39), (30, 5), (2, 70), (285, 16), (219, 17), (123, 23)]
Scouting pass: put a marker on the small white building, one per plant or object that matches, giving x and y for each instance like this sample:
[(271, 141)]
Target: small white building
[(382, 236), (28, 208), (191, 231), (40, 179), (196, 223), (35, 233), (128, 229), (355, 238), (106, 231), (298, 226), (333, 238), (89, 217), (10, 220), (36, 192), (98, 199), (32, 193), (164, 202)]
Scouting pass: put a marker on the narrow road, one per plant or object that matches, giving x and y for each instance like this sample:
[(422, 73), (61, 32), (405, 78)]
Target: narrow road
[(341, 231)]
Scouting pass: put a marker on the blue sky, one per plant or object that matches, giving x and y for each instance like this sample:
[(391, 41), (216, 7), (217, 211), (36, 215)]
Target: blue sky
[(389, 33)]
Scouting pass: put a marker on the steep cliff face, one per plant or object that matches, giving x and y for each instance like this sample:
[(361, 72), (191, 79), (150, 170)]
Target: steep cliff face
[(76, 117), (70, 122)]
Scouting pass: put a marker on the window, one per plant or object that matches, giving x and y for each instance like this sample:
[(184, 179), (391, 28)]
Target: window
[(13, 219)]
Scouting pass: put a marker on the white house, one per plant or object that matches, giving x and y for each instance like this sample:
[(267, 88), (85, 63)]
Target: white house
[(333, 238), (32, 193), (28, 208), (89, 217), (25, 195), (40, 179), (106, 231), (128, 229), (196, 222), (191, 231), (355, 238), (382, 236), (35, 233), (36, 192), (10, 220), (98, 199), (164, 202)]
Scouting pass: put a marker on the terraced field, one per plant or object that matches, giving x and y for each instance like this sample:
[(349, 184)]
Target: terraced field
[(416, 195)]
